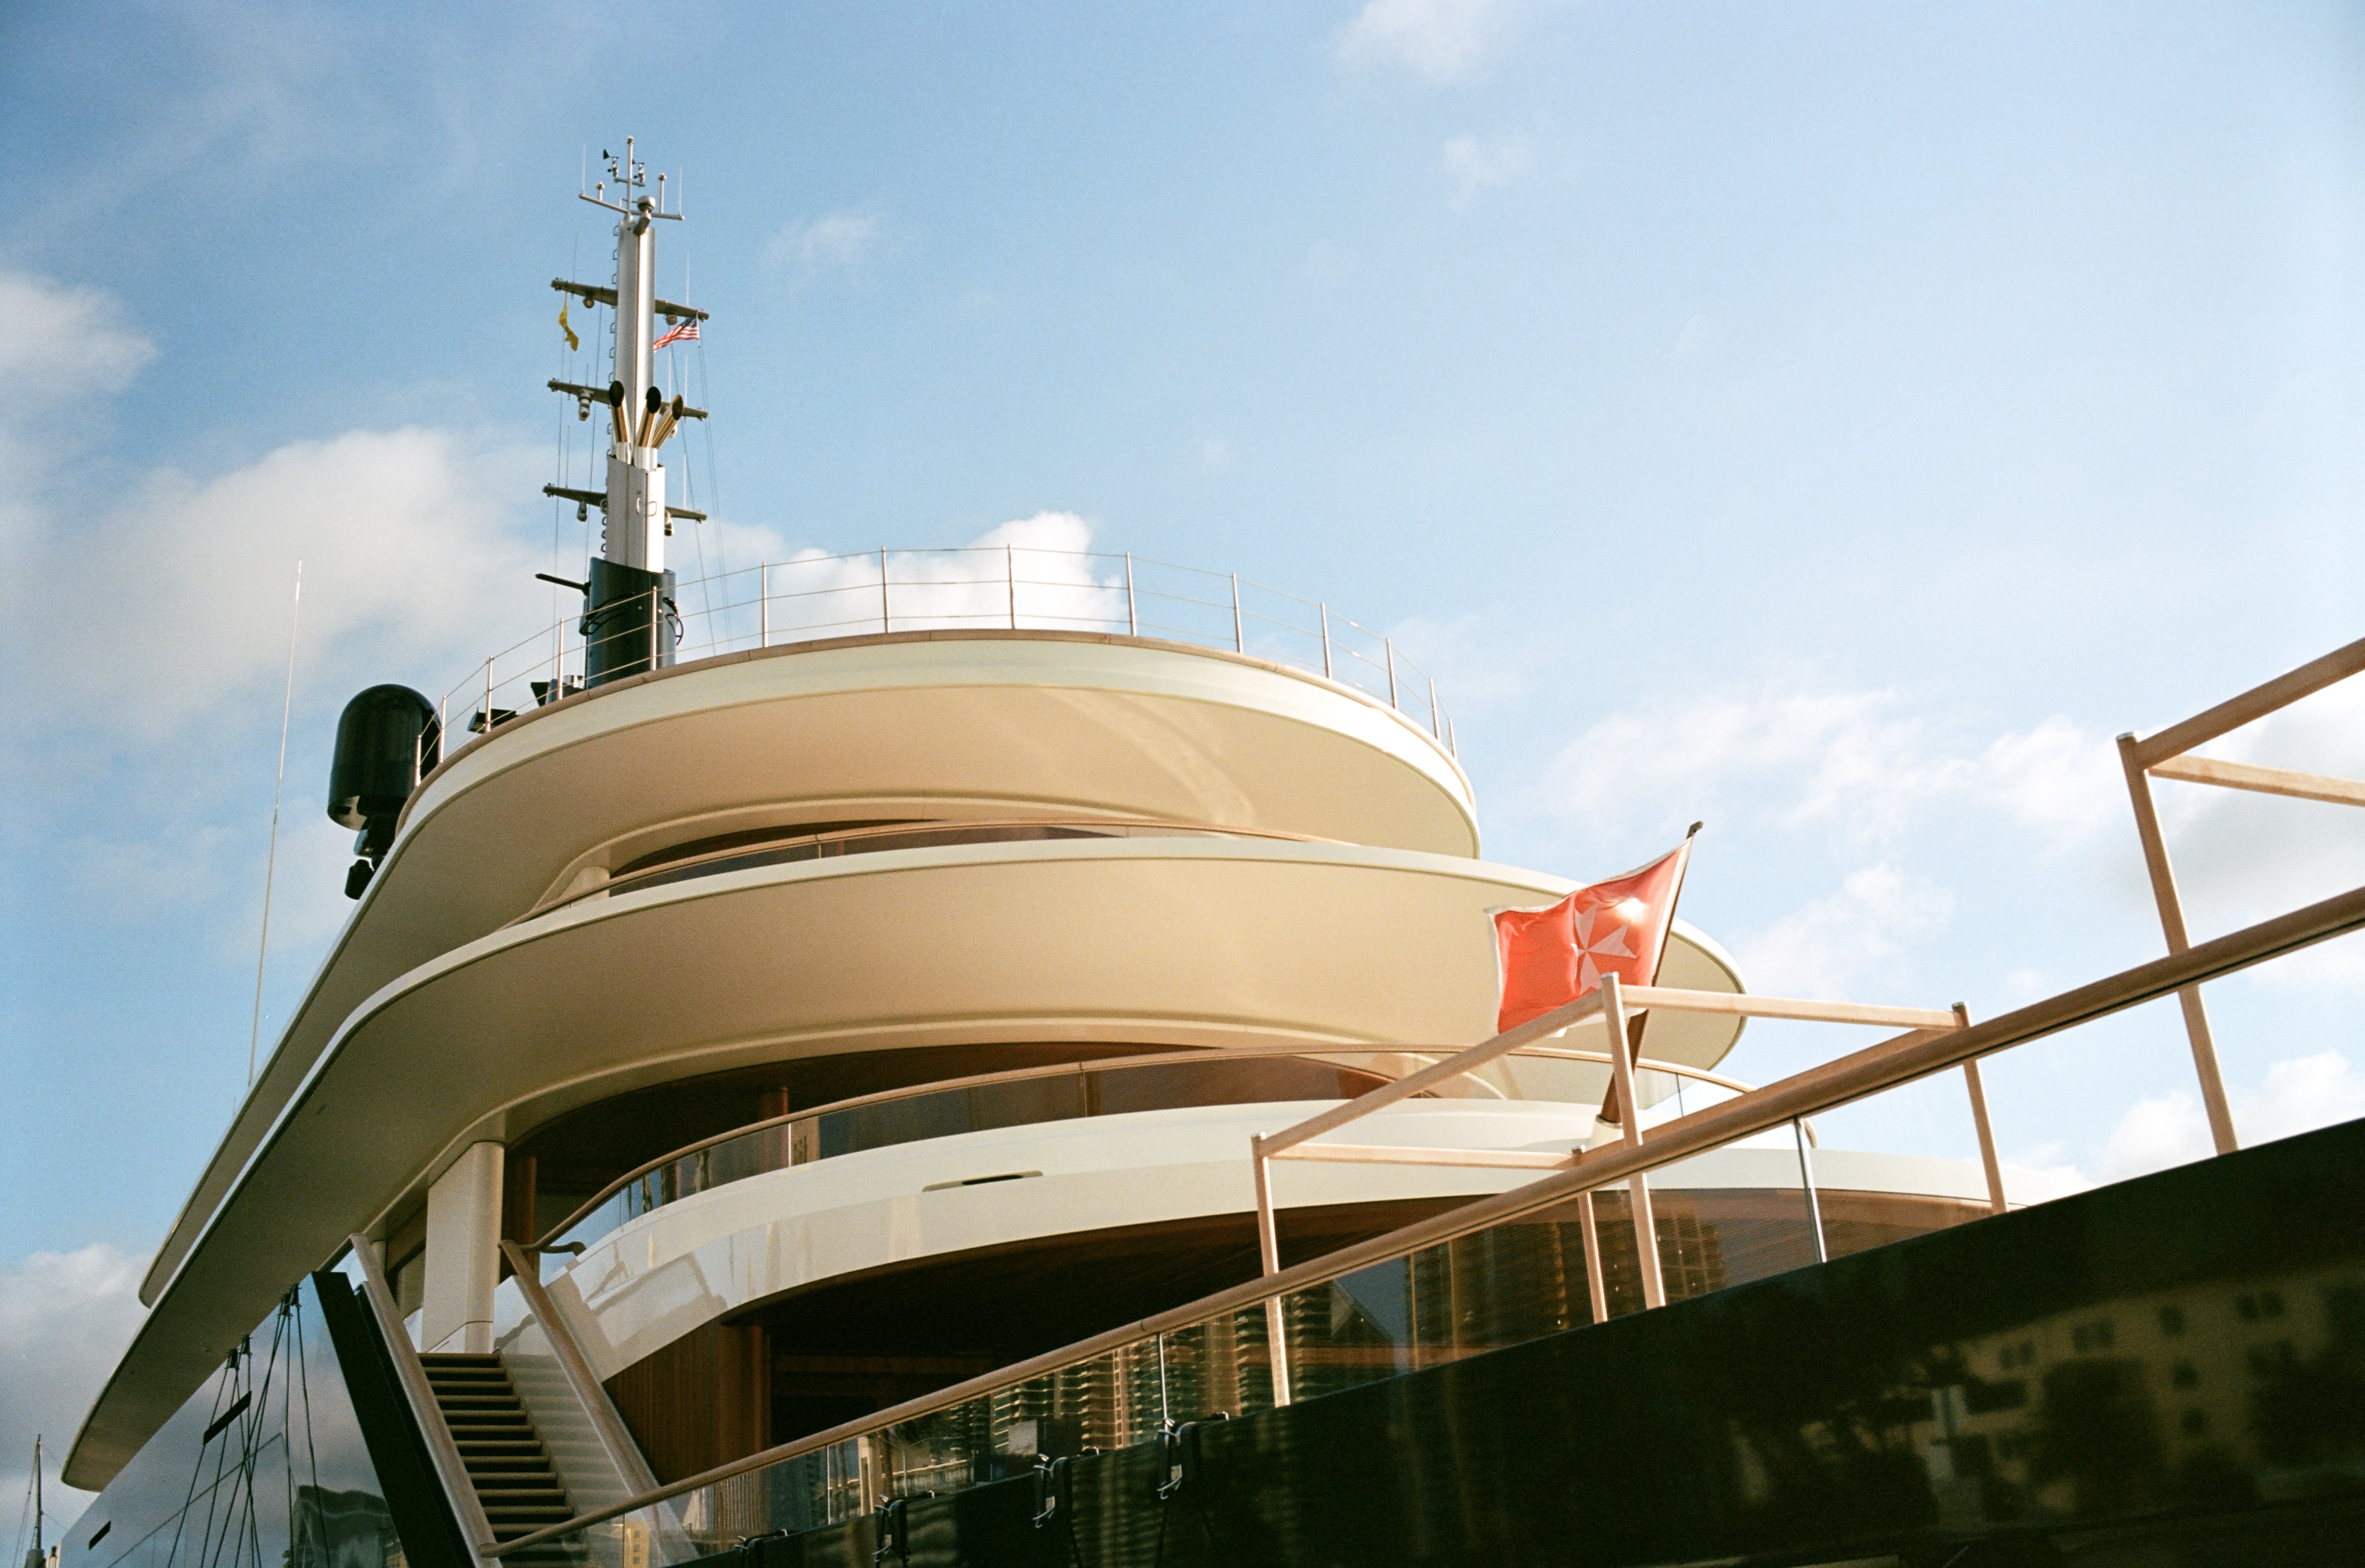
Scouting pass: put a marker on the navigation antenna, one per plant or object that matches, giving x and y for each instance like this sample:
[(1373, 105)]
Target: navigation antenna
[(34, 1558), (629, 620)]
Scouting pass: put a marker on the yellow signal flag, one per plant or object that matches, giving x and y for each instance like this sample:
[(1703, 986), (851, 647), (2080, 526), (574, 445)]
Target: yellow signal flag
[(573, 344)]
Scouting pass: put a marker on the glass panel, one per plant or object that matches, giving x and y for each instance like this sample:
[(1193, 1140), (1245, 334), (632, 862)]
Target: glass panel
[(264, 1464), (1506, 1285)]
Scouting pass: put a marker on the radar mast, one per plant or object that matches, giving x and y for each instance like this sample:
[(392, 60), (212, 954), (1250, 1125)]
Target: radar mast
[(628, 622)]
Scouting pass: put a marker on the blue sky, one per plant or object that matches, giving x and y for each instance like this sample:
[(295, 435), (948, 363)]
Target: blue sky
[(1835, 422)]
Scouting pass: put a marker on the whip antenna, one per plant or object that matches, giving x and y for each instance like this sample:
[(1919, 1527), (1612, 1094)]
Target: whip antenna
[(271, 861)]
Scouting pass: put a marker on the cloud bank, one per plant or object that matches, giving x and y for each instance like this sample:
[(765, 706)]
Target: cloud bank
[(64, 1318)]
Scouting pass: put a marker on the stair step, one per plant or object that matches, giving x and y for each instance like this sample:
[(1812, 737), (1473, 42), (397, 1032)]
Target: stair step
[(506, 1462)]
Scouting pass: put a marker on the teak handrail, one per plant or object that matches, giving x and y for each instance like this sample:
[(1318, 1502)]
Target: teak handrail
[(2165, 756), (1915, 1054)]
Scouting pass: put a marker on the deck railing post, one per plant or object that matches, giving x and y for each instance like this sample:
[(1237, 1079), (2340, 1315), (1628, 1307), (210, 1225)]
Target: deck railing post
[(1621, 1066), (1325, 609), (1132, 616), (1010, 573), (1240, 635), (1268, 1254), (2171, 921), (1595, 1287), (1436, 728), (1988, 1161), (1388, 650), (886, 621), (764, 605), (489, 694), (1815, 1204)]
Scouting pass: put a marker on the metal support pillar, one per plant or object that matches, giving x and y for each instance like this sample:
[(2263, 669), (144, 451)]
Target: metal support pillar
[(1814, 1204)]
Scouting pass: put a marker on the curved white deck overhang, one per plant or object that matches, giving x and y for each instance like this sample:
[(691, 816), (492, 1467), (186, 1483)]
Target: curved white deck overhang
[(1175, 942), (972, 724), (721, 1252)]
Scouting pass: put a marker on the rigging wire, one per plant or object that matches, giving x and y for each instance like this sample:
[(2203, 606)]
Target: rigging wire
[(231, 1533), (188, 1499), (16, 1550), (705, 386), (679, 379), (311, 1453)]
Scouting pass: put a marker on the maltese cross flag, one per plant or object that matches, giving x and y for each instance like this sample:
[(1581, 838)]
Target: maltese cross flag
[(1551, 956)]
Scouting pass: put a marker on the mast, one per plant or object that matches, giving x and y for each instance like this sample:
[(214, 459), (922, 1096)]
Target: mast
[(35, 1561), (628, 624)]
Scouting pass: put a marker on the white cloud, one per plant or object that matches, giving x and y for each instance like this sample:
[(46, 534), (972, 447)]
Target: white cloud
[(60, 342), (1477, 163), (1442, 40), (843, 240), (2156, 1133), (2055, 1174), (1057, 585), (409, 556), (1844, 758), (1822, 948), (2242, 856), (64, 1318), (2300, 1094), (414, 561)]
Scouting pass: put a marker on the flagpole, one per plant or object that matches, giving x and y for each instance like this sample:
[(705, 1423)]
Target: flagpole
[(1610, 1099)]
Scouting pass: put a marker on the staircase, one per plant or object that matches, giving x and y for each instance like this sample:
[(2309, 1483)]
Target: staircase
[(512, 1470)]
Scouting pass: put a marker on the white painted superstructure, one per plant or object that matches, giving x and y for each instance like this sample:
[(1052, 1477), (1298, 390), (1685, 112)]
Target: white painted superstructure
[(841, 958)]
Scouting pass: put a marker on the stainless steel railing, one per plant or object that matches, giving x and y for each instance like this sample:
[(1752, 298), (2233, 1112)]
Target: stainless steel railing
[(1012, 587), (1915, 1054), (780, 1142)]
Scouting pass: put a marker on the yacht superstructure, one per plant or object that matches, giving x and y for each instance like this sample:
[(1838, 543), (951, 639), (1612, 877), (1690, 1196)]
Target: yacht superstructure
[(754, 1019)]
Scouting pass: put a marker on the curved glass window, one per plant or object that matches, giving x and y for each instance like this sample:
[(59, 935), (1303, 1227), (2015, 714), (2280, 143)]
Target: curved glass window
[(1107, 1087), (780, 850)]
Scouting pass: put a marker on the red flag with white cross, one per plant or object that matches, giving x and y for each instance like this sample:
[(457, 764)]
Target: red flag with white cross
[(1551, 956)]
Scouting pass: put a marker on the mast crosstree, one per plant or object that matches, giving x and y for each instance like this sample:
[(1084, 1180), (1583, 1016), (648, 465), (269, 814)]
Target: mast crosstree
[(629, 617)]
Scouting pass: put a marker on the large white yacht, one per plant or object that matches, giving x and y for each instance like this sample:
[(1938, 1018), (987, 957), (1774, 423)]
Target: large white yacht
[(773, 1000)]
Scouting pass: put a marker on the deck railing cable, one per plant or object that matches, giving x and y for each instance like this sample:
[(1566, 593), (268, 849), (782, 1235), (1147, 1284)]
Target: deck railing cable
[(1009, 587)]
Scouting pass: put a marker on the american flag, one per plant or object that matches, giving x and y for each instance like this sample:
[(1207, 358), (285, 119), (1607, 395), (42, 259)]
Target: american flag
[(685, 333)]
